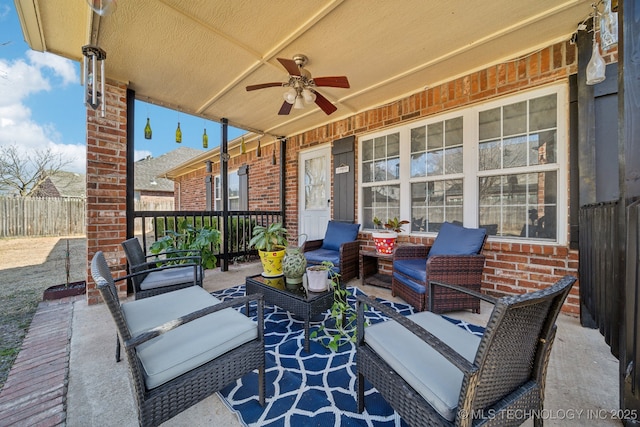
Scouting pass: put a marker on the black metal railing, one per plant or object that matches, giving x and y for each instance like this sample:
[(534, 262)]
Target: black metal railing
[(153, 225)]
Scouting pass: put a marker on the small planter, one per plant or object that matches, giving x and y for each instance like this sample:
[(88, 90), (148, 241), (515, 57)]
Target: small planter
[(64, 290), (272, 263), (317, 278), (385, 241)]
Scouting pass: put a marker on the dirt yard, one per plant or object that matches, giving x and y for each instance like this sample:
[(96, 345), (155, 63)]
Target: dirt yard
[(27, 267)]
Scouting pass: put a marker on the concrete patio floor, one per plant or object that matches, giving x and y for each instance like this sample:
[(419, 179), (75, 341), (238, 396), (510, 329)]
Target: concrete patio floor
[(582, 380)]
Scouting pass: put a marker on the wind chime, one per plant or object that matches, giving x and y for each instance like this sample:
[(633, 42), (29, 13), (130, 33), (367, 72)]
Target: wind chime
[(93, 67)]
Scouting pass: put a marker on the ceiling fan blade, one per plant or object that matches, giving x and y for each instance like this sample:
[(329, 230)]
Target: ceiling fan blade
[(325, 104), (290, 65), (285, 109), (336, 81), (263, 85)]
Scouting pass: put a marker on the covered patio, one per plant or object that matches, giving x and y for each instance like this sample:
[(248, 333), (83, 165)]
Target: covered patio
[(410, 68), (581, 383)]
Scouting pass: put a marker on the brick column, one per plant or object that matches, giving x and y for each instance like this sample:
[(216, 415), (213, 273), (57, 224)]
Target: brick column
[(106, 186)]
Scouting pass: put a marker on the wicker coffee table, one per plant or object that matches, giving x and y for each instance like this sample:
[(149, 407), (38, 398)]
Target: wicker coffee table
[(294, 300)]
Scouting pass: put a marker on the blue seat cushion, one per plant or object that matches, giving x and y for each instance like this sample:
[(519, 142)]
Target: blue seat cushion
[(319, 255), (416, 287), (414, 268), (338, 233), (457, 240)]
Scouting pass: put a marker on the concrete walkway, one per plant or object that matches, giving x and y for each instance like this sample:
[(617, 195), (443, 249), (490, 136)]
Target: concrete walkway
[(76, 381)]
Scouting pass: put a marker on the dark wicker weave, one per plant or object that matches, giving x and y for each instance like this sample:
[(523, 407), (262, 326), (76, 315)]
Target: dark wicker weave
[(507, 378), (139, 262), (303, 305), (167, 400), (348, 257), (462, 270)]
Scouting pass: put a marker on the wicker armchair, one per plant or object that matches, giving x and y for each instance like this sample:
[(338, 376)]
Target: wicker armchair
[(454, 258), (340, 246), (160, 275), (169, 376), (433, 372)]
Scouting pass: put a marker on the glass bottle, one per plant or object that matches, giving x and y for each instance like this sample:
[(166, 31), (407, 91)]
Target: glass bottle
[(147, 130), (178, 134), (205, 139)]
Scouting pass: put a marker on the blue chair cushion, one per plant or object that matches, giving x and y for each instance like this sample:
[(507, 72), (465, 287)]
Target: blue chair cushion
[(416, 287), (319, 255), (338, 233), (414, 268), (457, 240)]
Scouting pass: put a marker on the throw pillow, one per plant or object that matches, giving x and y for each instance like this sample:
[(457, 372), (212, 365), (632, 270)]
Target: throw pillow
[(457, 240), (339, 233)]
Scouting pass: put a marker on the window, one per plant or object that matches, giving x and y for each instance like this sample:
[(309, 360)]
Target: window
[(380, 173), (233, 192), (436, 157), (512, 136), (499, 165)]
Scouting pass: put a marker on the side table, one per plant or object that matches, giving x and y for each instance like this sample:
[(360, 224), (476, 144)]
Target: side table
[(369, 268)]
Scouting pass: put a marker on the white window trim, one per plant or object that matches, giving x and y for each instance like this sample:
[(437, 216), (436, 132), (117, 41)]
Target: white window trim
[(471, 172), (216, 178)]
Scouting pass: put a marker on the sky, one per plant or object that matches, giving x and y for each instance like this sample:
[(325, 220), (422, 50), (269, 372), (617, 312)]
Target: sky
[(41, 105)]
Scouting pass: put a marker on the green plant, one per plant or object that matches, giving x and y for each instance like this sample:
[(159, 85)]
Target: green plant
[(343, 314), (187, 237), (393, 224), (269, 238)]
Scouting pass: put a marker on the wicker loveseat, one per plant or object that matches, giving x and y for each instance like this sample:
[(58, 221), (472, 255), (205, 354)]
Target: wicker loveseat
[(453, 258), (183, 346), (433, 372), (340, 246)]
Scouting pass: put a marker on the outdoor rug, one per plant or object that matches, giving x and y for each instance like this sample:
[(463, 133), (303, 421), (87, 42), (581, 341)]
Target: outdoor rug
[(309, 389)]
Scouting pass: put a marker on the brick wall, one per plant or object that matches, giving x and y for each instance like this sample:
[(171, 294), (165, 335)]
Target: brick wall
[(106, 186), (510, 268)]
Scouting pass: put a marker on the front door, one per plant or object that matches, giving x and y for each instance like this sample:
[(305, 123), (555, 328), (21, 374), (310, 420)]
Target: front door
[(315, 192)]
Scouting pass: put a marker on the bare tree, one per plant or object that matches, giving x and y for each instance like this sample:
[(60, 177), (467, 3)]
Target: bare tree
[(23, 173)]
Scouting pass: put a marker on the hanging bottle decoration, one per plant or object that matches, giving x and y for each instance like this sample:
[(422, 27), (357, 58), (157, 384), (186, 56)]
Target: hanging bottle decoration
[(243, 147), (258, 150), (147, 130), (178, 134), (205, 139), (273, 156)]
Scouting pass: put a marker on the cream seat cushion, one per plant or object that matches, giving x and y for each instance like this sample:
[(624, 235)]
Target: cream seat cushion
[(190, 345), (422, 367)]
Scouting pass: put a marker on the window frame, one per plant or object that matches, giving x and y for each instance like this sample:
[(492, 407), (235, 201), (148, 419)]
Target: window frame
[(217, 199), (471, 173)]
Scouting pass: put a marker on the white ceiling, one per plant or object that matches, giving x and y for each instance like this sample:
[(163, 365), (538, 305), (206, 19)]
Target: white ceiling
[(198, 56)]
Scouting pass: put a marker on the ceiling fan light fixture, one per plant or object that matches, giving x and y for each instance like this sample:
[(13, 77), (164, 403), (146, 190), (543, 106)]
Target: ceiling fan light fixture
[(298, 104), (308, 96), (290, 95)]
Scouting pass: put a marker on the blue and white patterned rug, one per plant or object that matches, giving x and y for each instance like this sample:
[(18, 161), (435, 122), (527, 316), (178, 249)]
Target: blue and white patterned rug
[(304, 389)]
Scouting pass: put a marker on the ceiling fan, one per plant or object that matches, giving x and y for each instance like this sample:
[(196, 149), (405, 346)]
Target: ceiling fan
[(302, 87)]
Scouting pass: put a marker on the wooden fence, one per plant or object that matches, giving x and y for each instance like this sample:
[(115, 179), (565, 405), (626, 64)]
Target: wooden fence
[(41, 216), (50, 216)]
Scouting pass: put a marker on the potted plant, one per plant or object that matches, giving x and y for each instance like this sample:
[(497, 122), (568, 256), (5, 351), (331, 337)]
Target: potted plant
[(385, 240), (343, 329), (187, 237), (270, 241)]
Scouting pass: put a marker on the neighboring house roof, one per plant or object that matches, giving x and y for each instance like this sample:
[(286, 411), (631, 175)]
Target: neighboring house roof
[(64, 184), (148, 171)]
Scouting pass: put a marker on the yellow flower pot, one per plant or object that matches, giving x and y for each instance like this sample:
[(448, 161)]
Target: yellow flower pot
[(271, 262)]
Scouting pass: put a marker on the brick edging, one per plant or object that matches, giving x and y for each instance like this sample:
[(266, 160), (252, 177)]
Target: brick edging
[(36, 388)]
